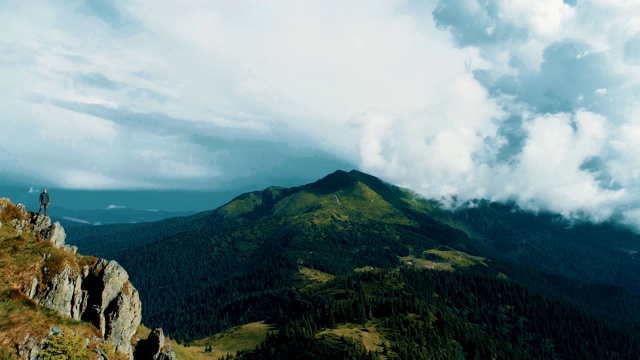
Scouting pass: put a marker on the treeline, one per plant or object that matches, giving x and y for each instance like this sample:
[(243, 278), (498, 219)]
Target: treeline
[(219, 273), (600, 253), (441, 315), (203, 274)]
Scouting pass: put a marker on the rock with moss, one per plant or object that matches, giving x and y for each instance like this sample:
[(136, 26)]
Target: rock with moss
[(93, 290), (101, 295), (63, 293)]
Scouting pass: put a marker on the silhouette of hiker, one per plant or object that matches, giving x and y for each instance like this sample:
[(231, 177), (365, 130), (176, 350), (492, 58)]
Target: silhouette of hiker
[(44, 201)]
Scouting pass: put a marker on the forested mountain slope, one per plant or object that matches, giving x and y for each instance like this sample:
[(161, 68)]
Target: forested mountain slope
[(203, 273)]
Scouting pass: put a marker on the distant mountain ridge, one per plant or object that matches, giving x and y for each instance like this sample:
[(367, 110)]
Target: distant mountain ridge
[(206, 272), (112, 215)]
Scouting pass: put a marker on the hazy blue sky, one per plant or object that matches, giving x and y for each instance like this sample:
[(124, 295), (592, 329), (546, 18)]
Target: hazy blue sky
[(530, 101)]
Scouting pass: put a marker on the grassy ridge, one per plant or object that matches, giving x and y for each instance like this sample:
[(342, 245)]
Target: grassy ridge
[(212, 271), (22, 258)]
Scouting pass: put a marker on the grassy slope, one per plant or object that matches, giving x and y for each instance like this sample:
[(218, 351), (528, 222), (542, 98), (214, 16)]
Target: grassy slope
[(443, 260), (369, 336), (348, 204), (21, 259), (357, 202), (245, 337)]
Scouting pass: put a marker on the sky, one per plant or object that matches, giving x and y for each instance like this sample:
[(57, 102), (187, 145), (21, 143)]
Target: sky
[(532, 102)]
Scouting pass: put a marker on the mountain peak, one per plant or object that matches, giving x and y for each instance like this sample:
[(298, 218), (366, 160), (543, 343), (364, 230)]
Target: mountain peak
[(335, 181)]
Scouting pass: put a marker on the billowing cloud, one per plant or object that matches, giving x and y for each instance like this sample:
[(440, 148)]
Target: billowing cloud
[(564, 77), (527, 101)]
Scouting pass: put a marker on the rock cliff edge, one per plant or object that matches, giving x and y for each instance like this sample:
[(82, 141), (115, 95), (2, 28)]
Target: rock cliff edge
[(96, 291)]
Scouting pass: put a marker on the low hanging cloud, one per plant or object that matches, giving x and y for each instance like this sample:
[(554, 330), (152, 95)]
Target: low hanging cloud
[(566, 138), (511, 100)]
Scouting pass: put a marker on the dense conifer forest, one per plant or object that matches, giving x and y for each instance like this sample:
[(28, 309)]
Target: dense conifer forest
[(539, 287), (441, 315)]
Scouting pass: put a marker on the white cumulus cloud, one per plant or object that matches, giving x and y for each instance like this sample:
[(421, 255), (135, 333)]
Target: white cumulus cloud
[(530, 101)]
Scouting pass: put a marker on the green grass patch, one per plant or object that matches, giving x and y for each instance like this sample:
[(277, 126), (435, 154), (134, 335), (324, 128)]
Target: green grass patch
[(368, 336), (457, 258), (245, 337), (242, 205), (442, 260), (308, 278), (21, 259)]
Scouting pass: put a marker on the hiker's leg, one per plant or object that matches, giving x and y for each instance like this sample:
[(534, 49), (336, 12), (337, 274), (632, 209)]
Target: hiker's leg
[(45, 208), (40, 209)]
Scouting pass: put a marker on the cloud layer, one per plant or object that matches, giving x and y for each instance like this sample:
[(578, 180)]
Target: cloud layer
[(565, 79), (511, 100)]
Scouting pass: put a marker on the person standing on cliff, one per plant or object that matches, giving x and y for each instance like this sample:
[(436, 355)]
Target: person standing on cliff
[(44, 201)]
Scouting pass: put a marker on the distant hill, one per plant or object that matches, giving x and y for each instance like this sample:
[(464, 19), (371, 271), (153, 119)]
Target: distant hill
[(258, 253), (112, 215)]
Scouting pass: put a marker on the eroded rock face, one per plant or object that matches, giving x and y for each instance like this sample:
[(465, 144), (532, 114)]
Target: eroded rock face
[(120, 310), (63, 293), (101, 295), (40, 225), (54, 233)]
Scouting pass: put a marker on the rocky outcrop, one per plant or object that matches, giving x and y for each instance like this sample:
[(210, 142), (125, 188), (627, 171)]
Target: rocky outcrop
[(100, 294), (99, 291), (63, 293), (31, 347), (111, 303), (54, 233), (153, 348)]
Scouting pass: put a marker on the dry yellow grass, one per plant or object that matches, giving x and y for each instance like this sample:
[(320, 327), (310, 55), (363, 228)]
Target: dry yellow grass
[(19, 315), (22, 258), (245, 337)]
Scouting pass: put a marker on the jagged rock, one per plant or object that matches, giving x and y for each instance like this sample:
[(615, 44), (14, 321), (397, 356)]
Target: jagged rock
[(41, 226), (63, 293), (18, 225), (153, 348), (123, 315), (31, 222), (101, 295), (37, 223), (112, 303), (54, 233)]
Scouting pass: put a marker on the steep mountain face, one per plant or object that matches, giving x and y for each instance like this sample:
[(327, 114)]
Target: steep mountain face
[(41, 272), (203, 273)]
